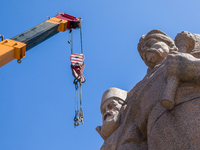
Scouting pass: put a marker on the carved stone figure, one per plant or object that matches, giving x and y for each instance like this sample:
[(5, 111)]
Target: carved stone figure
[(112, 105), (148, 123)]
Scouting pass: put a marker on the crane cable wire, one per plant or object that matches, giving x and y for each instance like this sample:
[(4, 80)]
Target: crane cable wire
[(81, 110), (71, 40), (81, 40)]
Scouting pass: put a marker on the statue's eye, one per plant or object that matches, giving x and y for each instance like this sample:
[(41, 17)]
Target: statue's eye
[(147, 44), (110, 105)]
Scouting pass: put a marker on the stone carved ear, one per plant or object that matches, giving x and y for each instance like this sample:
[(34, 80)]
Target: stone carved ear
[(98, 129), (172, 47)]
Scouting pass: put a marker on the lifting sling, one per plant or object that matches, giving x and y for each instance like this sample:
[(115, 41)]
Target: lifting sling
[(77, 67)]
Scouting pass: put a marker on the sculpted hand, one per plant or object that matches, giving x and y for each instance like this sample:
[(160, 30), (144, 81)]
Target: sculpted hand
[(183, 66)]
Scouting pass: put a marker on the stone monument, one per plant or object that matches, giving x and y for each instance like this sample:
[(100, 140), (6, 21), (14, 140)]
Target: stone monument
[(162, 111)]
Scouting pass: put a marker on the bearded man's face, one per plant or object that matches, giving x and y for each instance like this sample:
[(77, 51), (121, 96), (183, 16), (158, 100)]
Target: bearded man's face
[(110, 116), (153, 52)]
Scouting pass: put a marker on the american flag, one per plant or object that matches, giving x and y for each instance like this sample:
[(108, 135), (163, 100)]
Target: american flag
[(77, 59)]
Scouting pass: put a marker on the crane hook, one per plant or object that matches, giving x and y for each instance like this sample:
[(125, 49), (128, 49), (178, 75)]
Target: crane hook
[(2, 37)]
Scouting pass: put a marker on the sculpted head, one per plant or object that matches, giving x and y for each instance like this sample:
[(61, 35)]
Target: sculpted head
[(113, 101), (154, 47)]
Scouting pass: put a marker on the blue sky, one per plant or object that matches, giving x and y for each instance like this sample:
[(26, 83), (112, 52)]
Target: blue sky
[(37, 96)]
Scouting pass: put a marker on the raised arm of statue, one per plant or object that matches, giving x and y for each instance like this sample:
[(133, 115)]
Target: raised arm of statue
[(184, 66)]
